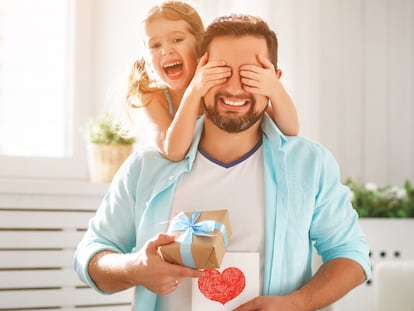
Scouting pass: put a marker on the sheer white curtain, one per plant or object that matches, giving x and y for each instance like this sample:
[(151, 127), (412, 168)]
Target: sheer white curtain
[(348, 65)]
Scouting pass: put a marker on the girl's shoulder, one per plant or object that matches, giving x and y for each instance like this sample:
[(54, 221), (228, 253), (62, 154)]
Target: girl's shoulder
[(155, 98)]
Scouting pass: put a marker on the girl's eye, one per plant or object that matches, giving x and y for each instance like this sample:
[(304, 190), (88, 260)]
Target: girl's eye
[(155, 46), (177, 40)]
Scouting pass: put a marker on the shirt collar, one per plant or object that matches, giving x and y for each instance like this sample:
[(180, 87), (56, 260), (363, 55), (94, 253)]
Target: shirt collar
[(269, 129)]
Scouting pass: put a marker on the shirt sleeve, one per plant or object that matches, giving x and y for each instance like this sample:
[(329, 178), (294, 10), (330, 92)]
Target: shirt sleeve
[(335, 228), (112, 228)]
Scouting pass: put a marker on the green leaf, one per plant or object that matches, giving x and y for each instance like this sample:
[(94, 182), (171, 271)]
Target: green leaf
[(389, 201), (105, 129)]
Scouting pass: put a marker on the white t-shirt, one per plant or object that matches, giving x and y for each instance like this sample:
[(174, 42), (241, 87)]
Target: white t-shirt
[(237, 187)]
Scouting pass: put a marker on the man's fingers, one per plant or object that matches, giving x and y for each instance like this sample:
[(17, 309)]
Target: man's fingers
[(180, 272), (159, 240), (257, 303), (190, 273)]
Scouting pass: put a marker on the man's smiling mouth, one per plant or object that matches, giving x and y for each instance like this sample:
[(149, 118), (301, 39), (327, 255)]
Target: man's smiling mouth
[(233, 102)]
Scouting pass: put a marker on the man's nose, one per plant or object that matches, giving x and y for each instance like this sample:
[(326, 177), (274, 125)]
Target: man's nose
[(234, 83)]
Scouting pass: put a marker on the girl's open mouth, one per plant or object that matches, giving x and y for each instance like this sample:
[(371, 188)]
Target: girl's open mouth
[(173, 69)]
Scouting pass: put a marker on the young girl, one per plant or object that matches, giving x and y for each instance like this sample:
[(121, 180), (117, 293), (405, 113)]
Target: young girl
[(171, 100)]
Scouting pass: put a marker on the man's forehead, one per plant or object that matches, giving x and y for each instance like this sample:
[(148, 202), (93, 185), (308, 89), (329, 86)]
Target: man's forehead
[(238, 50)]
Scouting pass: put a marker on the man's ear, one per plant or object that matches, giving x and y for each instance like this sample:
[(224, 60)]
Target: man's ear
[(278, 73)]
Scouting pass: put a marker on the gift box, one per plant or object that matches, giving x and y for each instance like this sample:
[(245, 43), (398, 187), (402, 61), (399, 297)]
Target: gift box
[(201, 239)]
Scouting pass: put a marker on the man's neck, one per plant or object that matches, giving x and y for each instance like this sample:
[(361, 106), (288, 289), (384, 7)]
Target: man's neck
[(228, 147)]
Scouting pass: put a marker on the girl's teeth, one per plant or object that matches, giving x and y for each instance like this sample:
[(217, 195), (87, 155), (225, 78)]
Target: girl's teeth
[(171, 65)]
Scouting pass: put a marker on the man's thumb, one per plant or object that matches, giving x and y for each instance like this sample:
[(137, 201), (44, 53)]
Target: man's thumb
[(161, 239)]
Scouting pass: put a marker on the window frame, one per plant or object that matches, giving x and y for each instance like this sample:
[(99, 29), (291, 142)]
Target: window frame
[(79, 106)]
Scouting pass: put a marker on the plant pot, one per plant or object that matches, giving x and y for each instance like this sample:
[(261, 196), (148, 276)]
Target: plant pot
[(105, 160)]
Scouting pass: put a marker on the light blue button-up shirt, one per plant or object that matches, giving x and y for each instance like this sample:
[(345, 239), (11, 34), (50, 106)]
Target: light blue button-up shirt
[(306, 206)]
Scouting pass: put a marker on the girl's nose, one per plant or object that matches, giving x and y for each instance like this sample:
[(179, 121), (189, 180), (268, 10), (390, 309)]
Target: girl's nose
[(167, 49)]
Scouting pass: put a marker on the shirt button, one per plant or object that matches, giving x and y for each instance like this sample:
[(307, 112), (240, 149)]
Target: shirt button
[(171, 178)]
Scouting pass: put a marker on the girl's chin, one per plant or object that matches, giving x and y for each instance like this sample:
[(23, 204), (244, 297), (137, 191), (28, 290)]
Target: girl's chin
[(178, 83)]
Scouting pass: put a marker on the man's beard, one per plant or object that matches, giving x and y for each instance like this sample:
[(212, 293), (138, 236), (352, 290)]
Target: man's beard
[(231, 124)]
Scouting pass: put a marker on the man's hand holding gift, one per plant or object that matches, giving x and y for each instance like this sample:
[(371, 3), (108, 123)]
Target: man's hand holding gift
[(201, 239)]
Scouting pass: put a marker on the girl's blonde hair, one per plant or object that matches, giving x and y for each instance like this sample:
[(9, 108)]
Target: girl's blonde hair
[(140, 82)]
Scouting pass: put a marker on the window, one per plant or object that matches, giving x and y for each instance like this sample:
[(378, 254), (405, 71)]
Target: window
[(40, 99), (34, 71)]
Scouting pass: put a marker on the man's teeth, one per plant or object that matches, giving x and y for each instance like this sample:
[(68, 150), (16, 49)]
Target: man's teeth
[(234, 103)]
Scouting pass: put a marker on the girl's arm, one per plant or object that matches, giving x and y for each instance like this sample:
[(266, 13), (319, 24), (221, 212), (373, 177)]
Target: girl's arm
[(173, 136), (265, 81)]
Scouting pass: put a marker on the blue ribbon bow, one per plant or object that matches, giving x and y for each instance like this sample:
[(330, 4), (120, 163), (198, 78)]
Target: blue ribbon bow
[(182, 222)]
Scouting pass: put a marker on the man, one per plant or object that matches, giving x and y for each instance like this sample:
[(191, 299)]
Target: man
[(283, 195)]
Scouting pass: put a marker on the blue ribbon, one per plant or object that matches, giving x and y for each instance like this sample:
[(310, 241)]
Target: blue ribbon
[(182, 222)]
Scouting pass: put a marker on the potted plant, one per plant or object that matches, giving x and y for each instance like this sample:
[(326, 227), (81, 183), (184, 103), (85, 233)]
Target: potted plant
[(107, 147), (370, 200)]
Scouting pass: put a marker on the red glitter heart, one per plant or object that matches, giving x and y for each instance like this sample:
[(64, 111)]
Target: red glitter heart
[(222, 287)]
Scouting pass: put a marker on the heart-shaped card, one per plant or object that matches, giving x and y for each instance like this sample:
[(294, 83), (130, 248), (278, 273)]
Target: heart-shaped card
[(224, 289)]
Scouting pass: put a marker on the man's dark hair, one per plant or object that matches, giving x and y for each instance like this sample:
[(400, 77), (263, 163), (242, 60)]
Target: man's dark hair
[(239, 25)]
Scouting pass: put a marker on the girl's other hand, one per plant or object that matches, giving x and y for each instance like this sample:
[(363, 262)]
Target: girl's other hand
[(209, 74)]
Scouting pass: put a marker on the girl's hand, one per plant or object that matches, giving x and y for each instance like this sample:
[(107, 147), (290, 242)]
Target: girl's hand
[(260, 80), (208, 75)]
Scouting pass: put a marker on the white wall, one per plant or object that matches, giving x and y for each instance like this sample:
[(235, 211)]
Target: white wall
[(347, 64), (366, 87)]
